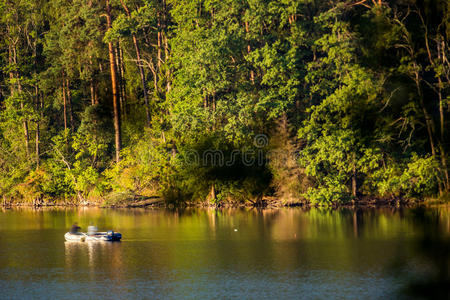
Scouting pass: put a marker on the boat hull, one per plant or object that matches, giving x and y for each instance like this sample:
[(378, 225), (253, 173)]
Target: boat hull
[(98, 237)]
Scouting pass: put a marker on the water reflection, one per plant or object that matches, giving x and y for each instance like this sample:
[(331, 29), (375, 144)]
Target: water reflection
[(99, 255), (204, 253), (427, 273), (101, 260)]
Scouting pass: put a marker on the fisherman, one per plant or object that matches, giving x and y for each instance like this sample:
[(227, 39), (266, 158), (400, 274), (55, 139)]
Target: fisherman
[(92, 230), (75, 228)]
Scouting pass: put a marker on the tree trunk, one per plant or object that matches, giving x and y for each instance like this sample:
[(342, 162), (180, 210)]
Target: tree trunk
[(158, 63), (119, 78), (19, 89), (444, 166), (69, 104), (166, 44), (37, 129), (429, 124), (252, 74), (143, 82), (92, 87), (441, 139), (212, 193), (25, 123), (354, 183), (63, 91), (37, 102), (114, 87), (91, 82), (95, 93), (122, 81), (37, 146), (428, 120), (166, 51), (11, 73), (441, 109), (140, 67)]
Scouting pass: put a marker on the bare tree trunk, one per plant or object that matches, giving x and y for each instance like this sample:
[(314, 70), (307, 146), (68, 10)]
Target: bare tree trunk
[(114, 87)]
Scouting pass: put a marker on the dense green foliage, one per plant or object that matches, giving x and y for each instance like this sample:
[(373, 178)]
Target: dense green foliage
[(303, 100)]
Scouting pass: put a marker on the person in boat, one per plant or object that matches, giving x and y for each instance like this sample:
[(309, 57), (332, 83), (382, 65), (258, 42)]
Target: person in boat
[(92, 230), (75, 228)]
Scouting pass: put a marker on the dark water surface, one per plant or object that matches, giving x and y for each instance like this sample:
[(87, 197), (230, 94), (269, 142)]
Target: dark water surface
[(200, 253)]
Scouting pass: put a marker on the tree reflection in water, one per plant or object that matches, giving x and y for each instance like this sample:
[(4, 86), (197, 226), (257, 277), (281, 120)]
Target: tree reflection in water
[(428, 274)]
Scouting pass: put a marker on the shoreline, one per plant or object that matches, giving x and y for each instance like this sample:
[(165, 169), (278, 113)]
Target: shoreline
[(266, 203)]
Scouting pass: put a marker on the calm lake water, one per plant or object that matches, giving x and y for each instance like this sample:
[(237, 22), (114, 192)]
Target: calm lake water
[(205, 253)]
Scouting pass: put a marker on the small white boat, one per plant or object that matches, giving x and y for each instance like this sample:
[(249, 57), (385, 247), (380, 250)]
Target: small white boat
[(109, 236)]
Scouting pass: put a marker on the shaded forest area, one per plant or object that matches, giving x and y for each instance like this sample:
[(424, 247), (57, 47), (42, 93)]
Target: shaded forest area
[(108, 101)]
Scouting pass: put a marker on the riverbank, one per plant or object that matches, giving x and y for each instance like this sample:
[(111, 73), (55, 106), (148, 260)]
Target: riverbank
[(266, 202)]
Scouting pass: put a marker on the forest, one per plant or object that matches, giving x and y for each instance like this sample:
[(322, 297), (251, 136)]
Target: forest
[(215, 101)]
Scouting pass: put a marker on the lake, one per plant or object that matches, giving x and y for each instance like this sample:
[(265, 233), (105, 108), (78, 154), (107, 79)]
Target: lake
[(207, 253)]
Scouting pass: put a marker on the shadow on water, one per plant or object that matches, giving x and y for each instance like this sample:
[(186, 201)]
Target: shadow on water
[(427, 274)]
